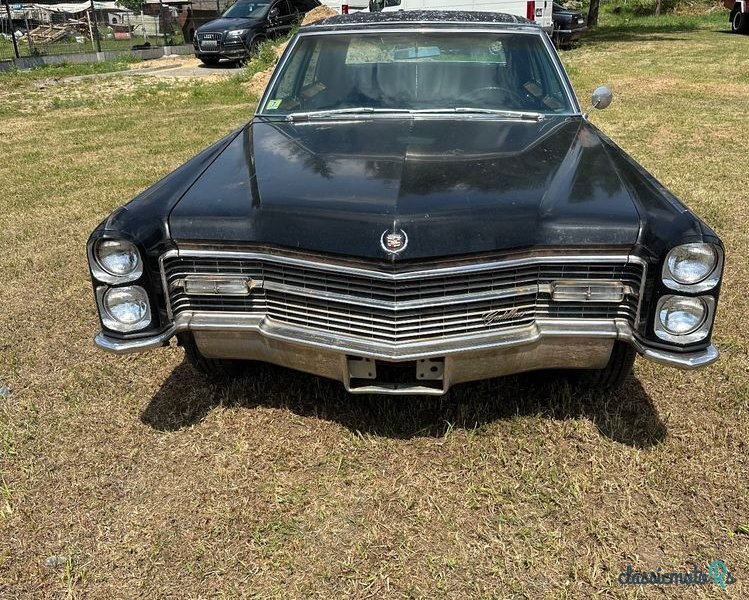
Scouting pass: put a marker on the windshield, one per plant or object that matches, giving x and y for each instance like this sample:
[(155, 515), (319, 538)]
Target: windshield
[(247, 10), (500, 71)]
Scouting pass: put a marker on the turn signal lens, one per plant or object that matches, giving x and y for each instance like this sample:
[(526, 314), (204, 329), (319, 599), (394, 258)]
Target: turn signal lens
[(587, 291), (219, 285)]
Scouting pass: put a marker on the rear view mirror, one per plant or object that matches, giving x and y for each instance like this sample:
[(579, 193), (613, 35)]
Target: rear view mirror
[(602, 97)]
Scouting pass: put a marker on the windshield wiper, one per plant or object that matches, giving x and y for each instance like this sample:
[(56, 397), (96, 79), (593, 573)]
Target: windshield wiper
[(334, 112), (366, 110), (509, 114)]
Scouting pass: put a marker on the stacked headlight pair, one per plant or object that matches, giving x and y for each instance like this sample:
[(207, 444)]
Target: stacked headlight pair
[(123, 308), (692, 269)]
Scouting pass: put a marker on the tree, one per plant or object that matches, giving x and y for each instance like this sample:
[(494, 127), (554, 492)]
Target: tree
[(135, 5), (593, 13)]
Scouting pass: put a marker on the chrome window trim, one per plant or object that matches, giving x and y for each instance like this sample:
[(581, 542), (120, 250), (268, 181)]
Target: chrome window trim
[(450, 26)]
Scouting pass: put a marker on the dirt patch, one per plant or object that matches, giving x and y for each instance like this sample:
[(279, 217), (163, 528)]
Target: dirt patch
[(318, 14)]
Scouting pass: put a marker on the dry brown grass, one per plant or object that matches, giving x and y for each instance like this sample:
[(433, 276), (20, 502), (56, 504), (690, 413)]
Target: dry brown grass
[(153, 482)]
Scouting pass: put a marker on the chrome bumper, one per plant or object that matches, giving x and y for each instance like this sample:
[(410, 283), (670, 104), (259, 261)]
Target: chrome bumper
[(545, 344)]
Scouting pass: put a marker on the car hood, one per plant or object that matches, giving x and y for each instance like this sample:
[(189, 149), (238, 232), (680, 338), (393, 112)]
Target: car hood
[(227, 24), (455, 187)]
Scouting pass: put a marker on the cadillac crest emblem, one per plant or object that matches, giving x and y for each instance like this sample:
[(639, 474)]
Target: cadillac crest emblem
[(393, 241)]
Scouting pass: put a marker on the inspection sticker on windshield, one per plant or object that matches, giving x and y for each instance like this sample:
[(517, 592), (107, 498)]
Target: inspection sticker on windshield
[(273, 104)]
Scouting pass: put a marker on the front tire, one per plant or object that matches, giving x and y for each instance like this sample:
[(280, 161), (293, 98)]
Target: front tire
[(212, 367), (615, 373), (739, 21), (255, 46)]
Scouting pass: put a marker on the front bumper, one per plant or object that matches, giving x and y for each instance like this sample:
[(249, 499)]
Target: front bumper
[(223, 50), (545, 344), (569, 35)]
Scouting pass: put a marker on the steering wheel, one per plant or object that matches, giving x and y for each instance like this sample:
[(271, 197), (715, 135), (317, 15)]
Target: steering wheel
[(481, 92)]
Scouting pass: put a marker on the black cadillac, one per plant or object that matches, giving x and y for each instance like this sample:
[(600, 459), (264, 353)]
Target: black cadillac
[(418, 201)]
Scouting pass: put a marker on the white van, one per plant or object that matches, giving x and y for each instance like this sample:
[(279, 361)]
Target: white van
[(538, 11), (347, 6)]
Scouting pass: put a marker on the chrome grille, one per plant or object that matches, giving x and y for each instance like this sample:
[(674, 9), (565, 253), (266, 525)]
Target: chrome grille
[(209, 42), (409, 307)]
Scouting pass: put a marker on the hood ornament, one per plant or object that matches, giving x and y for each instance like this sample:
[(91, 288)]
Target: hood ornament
[(394, 241)]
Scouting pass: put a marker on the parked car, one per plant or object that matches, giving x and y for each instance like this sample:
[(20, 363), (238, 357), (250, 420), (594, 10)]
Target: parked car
[(569, 25), (418, 201), (538, 11), (739, 15), (239, 32)]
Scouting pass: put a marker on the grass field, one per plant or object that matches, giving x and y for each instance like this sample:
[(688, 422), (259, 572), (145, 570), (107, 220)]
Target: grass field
[(72, 47), (152, 483)]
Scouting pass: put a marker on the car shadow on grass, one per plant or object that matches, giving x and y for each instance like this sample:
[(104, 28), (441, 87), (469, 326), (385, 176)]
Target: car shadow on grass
[(627, 416)]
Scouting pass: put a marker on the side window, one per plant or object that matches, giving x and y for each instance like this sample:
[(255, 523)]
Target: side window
[(302, 66), (283, 8), (310, 75)]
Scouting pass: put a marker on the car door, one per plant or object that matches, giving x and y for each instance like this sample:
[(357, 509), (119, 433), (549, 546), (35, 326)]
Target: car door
[(284, 19)]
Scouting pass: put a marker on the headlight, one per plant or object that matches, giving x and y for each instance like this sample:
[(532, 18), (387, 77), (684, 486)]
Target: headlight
[(692, 267), (683, 319), (124, 308), (116, 261), (236, 33)]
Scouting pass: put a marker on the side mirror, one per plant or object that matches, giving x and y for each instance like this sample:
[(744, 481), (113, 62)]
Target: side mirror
[(602, 97), (273, 14)]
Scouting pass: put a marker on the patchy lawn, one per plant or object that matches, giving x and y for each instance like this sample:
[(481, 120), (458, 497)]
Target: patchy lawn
[(151, 482)]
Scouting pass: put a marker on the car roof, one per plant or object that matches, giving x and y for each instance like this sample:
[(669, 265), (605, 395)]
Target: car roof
[(415, 18)]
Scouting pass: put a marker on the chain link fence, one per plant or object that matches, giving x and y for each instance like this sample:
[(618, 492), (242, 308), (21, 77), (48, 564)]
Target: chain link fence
[(70, 28)]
